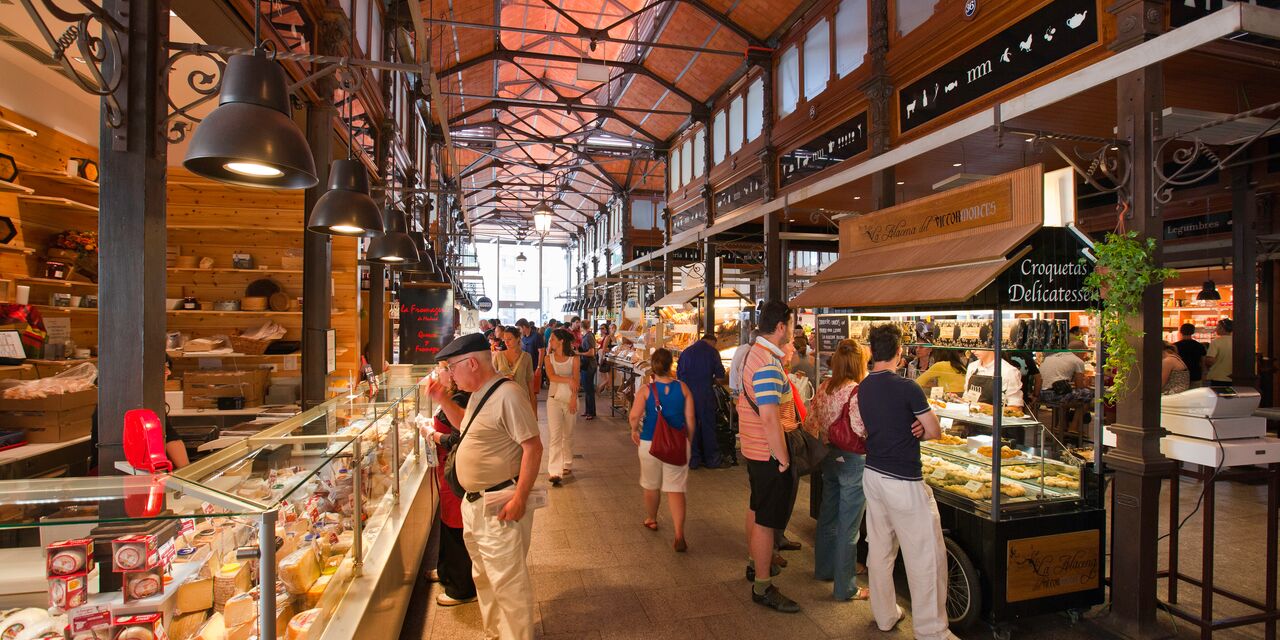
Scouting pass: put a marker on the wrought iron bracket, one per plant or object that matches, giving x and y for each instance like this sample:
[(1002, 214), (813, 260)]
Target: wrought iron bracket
[(206, 81), (1093, 159), (1220, 157), (99, 38)]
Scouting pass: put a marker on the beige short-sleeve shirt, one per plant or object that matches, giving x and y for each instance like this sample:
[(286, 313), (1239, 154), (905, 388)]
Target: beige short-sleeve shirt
[(490, 452)]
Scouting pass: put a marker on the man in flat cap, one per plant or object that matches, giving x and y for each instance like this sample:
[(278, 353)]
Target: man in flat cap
[(499, 450)]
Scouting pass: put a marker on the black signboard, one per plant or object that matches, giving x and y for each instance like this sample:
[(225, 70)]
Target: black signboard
[(693, 217), (484, 304), (739, 256), (1048, 278), (831, 330), (1202, 225), (1183, 12), (745, 191), (427, 318), (1056, 31), (840, 143)]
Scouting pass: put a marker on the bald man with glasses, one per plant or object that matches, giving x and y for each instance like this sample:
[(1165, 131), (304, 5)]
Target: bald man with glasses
[(499, 448)]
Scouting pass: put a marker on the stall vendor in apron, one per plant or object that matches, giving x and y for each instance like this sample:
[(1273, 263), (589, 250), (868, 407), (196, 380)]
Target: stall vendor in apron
[(700, 369)]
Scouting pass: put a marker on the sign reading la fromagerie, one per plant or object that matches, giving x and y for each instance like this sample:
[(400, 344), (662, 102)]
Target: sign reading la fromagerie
[(965, 208), (426, 322)]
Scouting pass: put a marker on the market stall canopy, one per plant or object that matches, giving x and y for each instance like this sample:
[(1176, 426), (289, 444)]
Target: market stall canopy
[(686, 296), (950, 248)]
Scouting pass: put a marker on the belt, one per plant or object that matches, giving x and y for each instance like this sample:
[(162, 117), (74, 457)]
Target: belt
[(472, 496)]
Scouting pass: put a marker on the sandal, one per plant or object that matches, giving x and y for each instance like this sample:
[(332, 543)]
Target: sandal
[(680, 545), (651, 525), (862, 594)]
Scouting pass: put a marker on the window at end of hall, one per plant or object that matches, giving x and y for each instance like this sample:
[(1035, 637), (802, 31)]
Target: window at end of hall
[(851, 36), (788, 80), (817, 59)]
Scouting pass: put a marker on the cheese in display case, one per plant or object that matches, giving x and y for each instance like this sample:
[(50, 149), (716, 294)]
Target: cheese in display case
[(298, 519)]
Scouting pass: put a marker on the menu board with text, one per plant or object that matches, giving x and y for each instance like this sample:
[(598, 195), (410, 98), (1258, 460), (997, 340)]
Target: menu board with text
[(426, 321)]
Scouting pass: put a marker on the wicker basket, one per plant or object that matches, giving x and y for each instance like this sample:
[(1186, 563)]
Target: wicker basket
[(249, 346)]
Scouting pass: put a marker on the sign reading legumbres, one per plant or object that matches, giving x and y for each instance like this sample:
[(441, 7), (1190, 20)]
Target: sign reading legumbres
[(426, 321), (1202, 225), (1057, 30), (976, 206)]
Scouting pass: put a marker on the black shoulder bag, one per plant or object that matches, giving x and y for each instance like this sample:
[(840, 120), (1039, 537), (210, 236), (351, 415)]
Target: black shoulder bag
[(450, 473)]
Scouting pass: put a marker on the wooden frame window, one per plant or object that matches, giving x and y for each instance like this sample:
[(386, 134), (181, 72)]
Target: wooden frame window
[(755, 109), (788, 75), (850, 36), (816, 63), (718, 132)]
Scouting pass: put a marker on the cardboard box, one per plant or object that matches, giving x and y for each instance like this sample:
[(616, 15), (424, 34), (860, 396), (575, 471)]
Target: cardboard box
[(56, 418), (201, 389)]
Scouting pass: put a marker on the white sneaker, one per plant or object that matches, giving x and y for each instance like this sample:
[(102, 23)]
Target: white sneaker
[(444, 600), (896, 620)]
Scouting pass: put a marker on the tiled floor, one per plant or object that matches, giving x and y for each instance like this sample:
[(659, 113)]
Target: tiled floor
[(598, 573)]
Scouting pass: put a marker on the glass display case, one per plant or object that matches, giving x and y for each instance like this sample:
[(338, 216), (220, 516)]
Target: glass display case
[(286, 532)]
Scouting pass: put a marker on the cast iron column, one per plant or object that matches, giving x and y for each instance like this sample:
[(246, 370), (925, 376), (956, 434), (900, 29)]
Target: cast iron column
[(709, 286), (317, 248), (772, 259), (131, 229), (1140, 467), (377, 317), (1244, 278)]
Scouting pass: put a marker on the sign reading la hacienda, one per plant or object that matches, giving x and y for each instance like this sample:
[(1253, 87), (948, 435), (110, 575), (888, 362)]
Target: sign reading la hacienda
[(840, 143), (1057, 30)]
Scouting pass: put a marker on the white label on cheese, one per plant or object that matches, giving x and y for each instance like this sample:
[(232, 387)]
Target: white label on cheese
[(972, 469), (939, 474)]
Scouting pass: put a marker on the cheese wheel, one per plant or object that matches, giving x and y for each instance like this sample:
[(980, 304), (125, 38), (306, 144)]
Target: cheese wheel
[(13, 625), (67, 561), (186, 625), (301, 623), (128, 557), (136, 633), (143, 585), (215, 628)]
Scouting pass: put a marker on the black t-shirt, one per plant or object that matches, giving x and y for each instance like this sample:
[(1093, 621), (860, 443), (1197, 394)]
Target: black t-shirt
[(889, 405), (1192, 351)]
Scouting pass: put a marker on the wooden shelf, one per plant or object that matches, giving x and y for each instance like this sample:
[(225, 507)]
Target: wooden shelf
[(9, 126), (65, 284), (216, 227), (202, 312), (199, 356), (264, 272), (12, 248), (9, 187), (64, 204), (45, 308), (73, 182)]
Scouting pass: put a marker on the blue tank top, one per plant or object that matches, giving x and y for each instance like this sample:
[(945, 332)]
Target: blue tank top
[(672, 408)]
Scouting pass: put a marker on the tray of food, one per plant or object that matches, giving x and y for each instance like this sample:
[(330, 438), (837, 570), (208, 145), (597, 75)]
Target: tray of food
[(981, 413)]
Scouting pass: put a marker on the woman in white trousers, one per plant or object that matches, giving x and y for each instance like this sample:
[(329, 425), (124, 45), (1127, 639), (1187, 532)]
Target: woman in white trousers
[(562, 404)]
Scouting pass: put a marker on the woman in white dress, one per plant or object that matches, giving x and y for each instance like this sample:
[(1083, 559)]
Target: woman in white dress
[(562, 404)]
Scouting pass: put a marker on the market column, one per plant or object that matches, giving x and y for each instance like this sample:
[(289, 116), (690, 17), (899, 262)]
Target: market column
[(317, 248), (709, 286), (1244, 277), (1139, 466), (131, 228)]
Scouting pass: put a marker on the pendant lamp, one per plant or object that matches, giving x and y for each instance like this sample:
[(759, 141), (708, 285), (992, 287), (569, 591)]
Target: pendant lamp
[(542, 218), (250, 139), (394, 246), (1208, 292), (346, 208)]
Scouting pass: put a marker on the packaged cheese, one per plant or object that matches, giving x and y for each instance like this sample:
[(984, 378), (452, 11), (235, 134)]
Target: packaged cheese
[(194, 595), (17, 621), (301, 623), (232, 578), (299, 570), (317, 589)]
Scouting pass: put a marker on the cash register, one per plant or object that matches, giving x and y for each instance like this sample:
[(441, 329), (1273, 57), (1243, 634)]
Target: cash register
[(1215, 426)]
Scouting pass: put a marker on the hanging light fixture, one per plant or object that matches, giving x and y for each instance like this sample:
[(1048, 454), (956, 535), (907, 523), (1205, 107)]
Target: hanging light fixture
[(542, 218), (250, 139), (346, 208), (1208, 292), (394, 246)]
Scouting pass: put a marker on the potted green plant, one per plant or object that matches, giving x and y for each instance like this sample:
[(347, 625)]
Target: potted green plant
[(1126, 267)]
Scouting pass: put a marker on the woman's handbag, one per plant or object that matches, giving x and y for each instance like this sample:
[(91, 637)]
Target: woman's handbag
[(807, 452), (669, 445), (841, 434)]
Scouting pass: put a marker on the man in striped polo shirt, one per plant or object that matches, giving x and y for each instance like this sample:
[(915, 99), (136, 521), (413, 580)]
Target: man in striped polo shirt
[(766, 410)]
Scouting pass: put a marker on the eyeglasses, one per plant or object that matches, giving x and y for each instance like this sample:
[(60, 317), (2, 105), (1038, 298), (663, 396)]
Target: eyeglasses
[(449, 366)]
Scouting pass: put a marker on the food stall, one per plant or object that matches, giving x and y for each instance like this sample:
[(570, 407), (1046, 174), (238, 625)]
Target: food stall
[(310, 529), (984, 268), (680, 320)]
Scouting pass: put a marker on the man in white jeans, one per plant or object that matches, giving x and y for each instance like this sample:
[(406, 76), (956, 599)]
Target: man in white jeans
[(901, 512), (499, 449)]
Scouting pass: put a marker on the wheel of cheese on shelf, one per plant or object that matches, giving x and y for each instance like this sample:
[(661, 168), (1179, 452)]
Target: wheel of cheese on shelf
[(301, 623), (67, 561), (214, 629), (18, 621), (136, 633), (128, 557)]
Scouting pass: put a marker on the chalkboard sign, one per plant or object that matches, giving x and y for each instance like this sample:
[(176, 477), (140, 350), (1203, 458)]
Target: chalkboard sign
[(427, 318), (831, 330)]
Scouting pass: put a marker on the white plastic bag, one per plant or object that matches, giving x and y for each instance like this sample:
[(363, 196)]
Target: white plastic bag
[(78, 378)]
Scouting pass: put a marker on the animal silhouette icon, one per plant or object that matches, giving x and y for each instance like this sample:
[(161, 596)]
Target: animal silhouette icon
[(911, 109), (1025, 45)]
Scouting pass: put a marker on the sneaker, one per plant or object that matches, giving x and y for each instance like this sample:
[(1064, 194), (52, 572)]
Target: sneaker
[(444, 600), (895, 620), (774, 599)]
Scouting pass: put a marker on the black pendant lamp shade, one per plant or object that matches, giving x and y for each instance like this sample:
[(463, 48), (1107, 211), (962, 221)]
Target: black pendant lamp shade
[(394, 247), (1209, 292), (346, 208), (250, 140)]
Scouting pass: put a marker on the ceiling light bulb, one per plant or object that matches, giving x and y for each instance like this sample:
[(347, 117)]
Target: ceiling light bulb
[(346, 229), (957, 164), (253, 169), (393, 259), (900, 183), (857, 197)]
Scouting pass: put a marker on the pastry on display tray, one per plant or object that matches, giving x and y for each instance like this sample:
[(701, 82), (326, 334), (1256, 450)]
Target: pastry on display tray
[(1006, 452), (947, 439)]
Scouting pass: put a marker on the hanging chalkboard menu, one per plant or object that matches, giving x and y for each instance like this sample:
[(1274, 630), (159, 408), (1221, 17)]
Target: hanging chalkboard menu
[(427, 318), (831, 330), (1052, 33)]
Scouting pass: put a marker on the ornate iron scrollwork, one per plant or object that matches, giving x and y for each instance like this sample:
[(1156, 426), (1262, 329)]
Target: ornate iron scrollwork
[(1188, 161), (1104, 164), (205, 82), (96, 36)]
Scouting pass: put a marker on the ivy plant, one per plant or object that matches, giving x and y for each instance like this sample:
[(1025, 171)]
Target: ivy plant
[(1126, 267)]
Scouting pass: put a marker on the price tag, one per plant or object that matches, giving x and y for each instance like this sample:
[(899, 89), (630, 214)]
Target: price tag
[(973, 486), (207, 508), (972, 469), (936, 393), (167, 552), (938, 474), (972, 395), (186, 525), (90, 617)]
